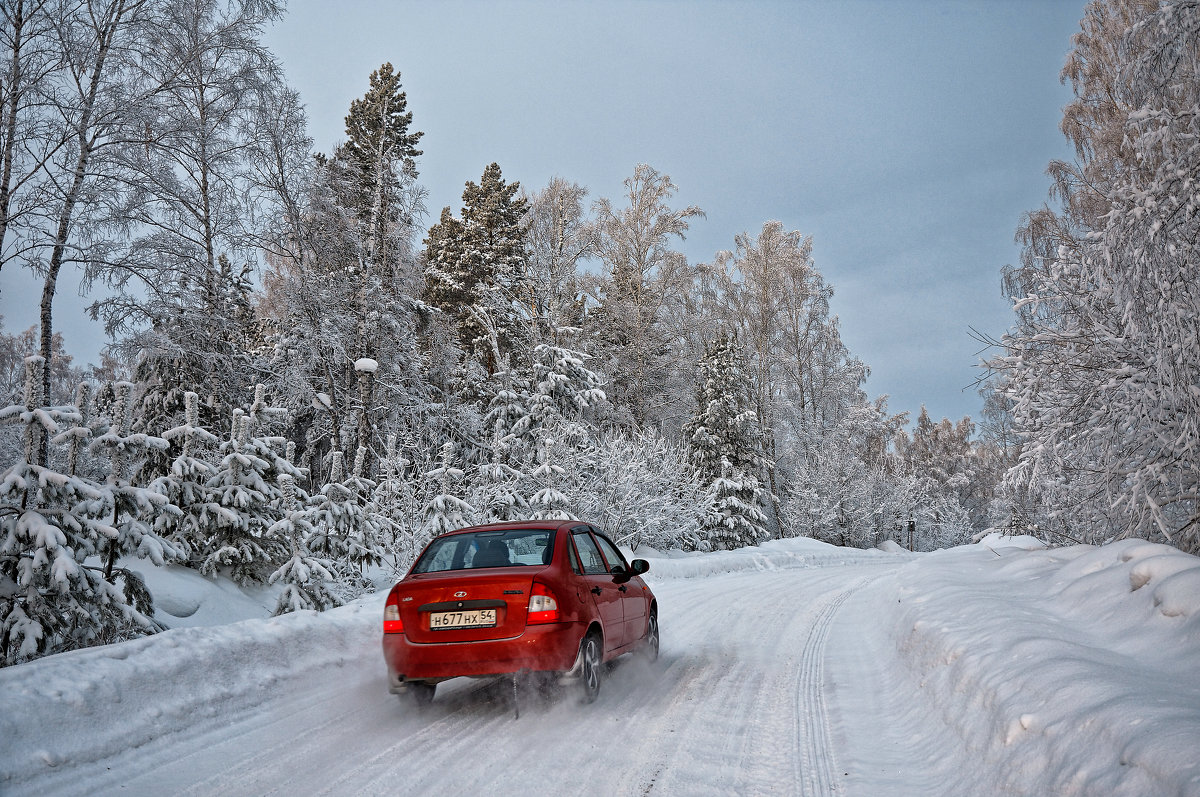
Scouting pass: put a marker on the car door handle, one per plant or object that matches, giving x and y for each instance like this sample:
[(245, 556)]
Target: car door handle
[(623, 588), (596, 590)]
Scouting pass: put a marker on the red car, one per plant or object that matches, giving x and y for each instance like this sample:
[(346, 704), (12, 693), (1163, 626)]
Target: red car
[(530, 596)]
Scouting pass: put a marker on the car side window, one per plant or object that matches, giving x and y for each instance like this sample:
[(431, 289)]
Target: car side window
[(589, 554), (574, 557), (611, 554)]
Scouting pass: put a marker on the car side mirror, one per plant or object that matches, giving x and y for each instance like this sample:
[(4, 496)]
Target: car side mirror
[(639, 566), (620, 575)]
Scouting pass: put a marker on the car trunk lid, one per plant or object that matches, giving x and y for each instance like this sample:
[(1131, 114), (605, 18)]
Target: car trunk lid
[(446, 606)]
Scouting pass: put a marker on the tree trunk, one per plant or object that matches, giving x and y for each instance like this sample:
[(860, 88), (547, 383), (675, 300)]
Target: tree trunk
[(66, 214)]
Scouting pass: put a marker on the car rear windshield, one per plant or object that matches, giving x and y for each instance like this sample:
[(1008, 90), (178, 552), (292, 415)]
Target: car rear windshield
[(476, 549)]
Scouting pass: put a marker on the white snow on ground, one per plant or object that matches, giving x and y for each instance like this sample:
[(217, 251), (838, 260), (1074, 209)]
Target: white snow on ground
[(793, 667)]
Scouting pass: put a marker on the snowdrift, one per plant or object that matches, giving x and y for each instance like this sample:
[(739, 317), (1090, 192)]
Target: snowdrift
[(795, 552), (130, 693), (1065, 671)]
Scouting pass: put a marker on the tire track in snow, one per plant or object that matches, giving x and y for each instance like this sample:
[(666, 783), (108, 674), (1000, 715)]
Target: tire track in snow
[(814, 737)]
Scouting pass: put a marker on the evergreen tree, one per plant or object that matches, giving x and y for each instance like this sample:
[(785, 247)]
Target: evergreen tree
[(186, 484), (564, 387), (305, 576), (445, 511), (724, 444), (475, 269), (379, 150), (346, 529), (340, 302), (133, 507), (549, 502), (200, 339), (51, 523), (247, 495)]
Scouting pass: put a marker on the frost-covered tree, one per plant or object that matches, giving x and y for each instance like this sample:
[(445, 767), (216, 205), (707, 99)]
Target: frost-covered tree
[(638, 295), (183, 277), (133, 507), (380, 153), (558, 239), (548, 502), (475, 270), (1102, 362), (306, 578), (29, 132), (802, 378), (97, 100), (724, 447), (445, 511), (346, 528), (563, 385), (639, 486), (341, 291), (186, 485), (398, 501), (246, 490), (52, 598)]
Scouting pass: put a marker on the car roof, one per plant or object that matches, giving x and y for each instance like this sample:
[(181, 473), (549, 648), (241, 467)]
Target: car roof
[(517, 524)]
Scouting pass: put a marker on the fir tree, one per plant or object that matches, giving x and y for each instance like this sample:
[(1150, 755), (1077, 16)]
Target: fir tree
[(563, 384), (445, 511), (346, 530), (133, 507), (247, 494), (724, 445), (50, 524), (378, 144), (549, 502), (306, 577), (475, 269), (186, 485)]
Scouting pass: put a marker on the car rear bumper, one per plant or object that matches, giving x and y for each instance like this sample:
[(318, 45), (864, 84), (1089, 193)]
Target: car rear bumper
[(551, 647)]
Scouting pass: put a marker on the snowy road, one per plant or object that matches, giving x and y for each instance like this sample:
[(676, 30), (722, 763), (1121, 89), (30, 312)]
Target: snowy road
[(794, 668), (739, 702)]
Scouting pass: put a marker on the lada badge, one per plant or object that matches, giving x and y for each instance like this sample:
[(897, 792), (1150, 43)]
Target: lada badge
[(460, 594)]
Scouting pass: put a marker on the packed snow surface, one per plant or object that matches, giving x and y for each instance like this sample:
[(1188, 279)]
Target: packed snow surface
[(790, 668)]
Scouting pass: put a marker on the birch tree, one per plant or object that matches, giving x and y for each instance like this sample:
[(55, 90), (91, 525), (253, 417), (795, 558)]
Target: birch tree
[(636, 313), (29, 134), (1103, 360)]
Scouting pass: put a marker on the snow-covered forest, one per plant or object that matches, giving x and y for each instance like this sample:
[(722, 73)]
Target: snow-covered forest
[(310, 379)]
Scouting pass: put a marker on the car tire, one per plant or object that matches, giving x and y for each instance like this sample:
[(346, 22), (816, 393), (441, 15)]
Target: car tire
[(651, 640), (592, 667), (419, 693)]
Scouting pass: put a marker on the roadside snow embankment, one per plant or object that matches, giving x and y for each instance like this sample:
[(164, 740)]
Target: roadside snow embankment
[(1064, 671), (130, 693), (794, 552)]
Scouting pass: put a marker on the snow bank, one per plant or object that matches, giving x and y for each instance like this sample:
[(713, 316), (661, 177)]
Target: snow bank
[(998, 539), (794, 552), (183, 598), (1065, 671), (130, 693)]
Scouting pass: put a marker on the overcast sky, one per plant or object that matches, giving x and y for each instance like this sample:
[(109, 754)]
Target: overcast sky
[(906, 137)]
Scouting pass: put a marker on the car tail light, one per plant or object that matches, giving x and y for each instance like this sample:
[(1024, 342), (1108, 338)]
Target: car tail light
[(543, 607), (392, 624)]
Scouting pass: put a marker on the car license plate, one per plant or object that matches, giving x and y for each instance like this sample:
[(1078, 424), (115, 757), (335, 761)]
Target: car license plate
[(471, 618)]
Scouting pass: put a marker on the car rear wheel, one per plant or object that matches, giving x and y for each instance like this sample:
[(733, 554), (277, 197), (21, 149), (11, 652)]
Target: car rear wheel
[(419, 693), (650, 641), (592, 668)]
